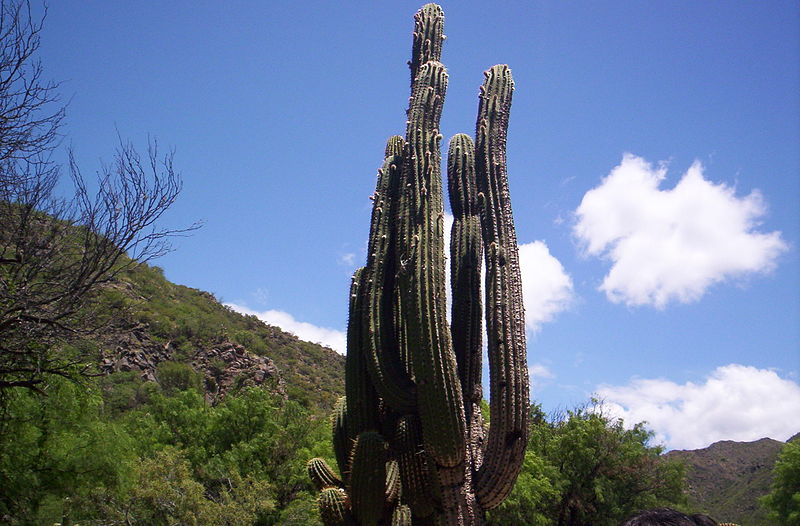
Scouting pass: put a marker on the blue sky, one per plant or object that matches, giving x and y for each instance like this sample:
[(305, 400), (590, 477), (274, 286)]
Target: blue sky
[(654, 154)]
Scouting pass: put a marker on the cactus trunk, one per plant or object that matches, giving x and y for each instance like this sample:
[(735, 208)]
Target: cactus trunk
[(410, 438)]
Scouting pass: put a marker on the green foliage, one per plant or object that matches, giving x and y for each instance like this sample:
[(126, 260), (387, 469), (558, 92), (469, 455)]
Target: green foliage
[(586, 468), (176, 376), (57, 447), (124, 391), (166, 493), (189, 319), (535, 493), (783, 502), (156, 456)]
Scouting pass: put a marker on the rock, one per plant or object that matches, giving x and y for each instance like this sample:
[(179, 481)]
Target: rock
[(135, 350)]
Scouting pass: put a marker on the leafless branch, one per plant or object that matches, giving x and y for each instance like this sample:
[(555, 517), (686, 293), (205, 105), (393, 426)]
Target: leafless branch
[(56, 252)]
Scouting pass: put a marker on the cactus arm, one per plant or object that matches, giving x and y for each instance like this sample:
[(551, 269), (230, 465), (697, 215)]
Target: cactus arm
[(341, 438), (321, 474), (332, 504), (466, 250), (401, 516), (383, 353), (418, 481), (361, 397), (440, 403), (394, 146), (392, 482), (505, 315), (368, 478), (428, 38)]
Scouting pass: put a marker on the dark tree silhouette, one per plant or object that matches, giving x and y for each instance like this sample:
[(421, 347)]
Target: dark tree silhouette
[(57, 252)]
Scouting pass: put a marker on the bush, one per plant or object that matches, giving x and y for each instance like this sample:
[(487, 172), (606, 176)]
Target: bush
[(783, 502), (176, 376)]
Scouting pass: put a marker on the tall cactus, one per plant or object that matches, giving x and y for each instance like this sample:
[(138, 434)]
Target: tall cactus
[(411, 416)]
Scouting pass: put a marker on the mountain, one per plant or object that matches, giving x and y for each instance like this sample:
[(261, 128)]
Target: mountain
[(152, 322), (726, 479)]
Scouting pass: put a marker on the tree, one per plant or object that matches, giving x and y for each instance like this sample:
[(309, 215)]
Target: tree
[(56, 253), (29, 109), (585, 468), (58, 449), (783, 502)]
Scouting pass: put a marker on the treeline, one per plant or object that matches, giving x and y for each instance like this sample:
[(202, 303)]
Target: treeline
[(583, 467), (123, 451)]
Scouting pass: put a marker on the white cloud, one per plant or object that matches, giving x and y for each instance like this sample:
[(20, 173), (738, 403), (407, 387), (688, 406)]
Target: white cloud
[(332, 338), (539, 370), (735, 402), (546, 287), (348, 259), (671, 245)]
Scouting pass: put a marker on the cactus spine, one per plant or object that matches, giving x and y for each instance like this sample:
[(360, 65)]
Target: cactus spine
[(409, 437)]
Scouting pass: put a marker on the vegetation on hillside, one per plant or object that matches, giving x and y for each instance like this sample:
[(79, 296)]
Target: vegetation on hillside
[(783, 502), (583, 467), (186, 319), (164, 456), (726, 479)]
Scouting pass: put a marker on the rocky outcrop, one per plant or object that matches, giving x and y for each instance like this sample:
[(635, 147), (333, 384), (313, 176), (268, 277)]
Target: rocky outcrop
[(229, 365), (133, 349), (224, 366)]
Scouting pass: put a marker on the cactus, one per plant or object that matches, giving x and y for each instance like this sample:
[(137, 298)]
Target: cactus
[(321, 474), (401, 516), (333, 507), (409, 437)]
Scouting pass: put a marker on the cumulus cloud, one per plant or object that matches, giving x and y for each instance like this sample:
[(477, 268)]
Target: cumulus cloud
[(735, 402), (332, 338), (671, 244), (546, 287), (539, 370)]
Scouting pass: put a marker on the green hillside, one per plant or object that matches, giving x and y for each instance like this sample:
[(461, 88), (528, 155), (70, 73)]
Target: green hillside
[(727, 478), (155, 320), (189, 414)]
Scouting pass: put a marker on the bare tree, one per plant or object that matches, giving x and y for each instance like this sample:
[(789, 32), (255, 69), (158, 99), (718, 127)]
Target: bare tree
[(56, 252)]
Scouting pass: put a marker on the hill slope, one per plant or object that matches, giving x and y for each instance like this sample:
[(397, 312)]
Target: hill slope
[(152, 321), (727, 478)]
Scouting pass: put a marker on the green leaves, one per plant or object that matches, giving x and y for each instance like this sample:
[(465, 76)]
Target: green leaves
[(171, 459), (584, 467), (57, 447), (783, 501)]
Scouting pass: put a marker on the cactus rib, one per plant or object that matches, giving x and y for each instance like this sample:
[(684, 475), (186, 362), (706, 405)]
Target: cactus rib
[(362, 400), (368, 477), (440, 404), (466, 250)]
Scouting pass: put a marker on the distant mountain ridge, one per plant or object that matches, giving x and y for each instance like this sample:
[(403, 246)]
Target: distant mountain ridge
[(726, 479)]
